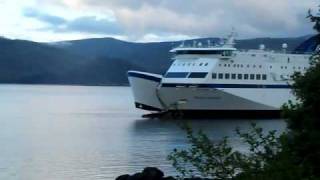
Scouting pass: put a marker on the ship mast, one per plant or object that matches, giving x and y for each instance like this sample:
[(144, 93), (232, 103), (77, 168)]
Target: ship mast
[(230, 42)]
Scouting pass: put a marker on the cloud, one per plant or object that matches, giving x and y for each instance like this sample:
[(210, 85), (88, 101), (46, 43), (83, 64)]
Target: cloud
[(206, 17), (91, 24), (143, 20), (164, 37), (53, 20), (84, 24)]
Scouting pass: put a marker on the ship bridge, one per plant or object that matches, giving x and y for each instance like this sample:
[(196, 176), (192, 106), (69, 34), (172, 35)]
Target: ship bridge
[(224, 50), (210, 52), (203, 51)]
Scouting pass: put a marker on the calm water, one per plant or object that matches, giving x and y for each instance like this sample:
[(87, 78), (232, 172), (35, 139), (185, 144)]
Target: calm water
[(75, 132)]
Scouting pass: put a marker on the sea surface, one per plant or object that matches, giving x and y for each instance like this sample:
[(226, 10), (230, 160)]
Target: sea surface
[(82, 133)]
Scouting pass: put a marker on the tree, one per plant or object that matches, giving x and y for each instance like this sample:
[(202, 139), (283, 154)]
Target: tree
[(315, 19), (304, 116), (293, 155)]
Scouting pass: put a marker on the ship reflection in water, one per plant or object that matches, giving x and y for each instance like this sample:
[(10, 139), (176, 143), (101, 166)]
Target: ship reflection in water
[(63, 132)]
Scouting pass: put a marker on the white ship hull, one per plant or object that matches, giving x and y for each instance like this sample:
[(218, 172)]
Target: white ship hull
[(150, 94), (144, 87)]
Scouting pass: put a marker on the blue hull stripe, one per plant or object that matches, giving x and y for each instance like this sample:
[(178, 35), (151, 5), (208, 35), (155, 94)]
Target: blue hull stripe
[(255, 86), (144, 76)]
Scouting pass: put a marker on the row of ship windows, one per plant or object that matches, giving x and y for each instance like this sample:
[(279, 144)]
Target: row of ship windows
[(239, 76), (216, 75), (294, 67), (239, 65), (190, 64), (236, 65), (258, 66)]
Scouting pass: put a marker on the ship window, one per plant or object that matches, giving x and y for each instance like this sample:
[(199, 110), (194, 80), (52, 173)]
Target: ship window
[(229, 65), (225, 65), (220, 76), (239, 76), (258, 76), (197, 75), (264, 77), (176, 75), (248, 66), (206, 64), (227, 76), (246, 76), (233, 76), (253, 55), (214, 75), (252, 76), (260, 66), (189, 64), (227, 53), (254, 66), (270, 67), (234, 65), (200, 64), (241, 65)]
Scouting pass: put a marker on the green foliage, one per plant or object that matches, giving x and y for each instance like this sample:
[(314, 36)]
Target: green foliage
[(268, 157), (315, 20), (304, 116), (218, 160), (205, 158), (261, 148)]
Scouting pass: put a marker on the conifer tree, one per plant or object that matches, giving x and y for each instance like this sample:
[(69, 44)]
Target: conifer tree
[(304, 116)]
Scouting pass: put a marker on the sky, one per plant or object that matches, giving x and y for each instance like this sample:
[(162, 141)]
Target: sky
[(153, 20)]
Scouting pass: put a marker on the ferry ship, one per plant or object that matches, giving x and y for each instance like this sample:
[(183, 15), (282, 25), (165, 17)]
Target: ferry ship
[(220, 81)]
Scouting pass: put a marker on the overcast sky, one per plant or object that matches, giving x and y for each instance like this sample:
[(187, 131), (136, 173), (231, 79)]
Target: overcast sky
[(152, 20)]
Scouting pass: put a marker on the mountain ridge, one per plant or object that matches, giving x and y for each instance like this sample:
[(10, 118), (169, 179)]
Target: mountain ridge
[(98, 61)]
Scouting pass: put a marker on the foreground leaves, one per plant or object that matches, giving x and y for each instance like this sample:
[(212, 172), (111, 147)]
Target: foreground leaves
[(218, 160)]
